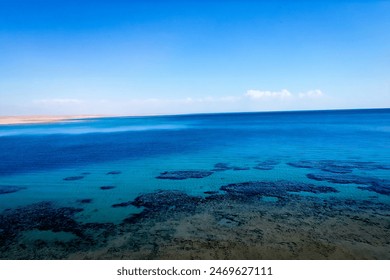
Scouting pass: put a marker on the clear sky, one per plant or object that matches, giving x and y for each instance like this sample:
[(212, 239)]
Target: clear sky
[(168, 57)]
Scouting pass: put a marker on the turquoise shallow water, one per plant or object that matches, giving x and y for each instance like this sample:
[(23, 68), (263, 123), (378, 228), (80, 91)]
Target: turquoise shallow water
[(68, 163)]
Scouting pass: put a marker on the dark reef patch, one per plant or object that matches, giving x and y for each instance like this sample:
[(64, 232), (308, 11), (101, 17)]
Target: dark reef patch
[(380, 186), (164, 199), (337, 169), (238, 168), (4, 189), (339, 166), (115, 172), (278, 189), (184, 174), (222, 166), (340, 179), (223, 225), (41, 216), (180, 226), (45, 217), (266, 165), (85, 200), (122, 204), (107, 188), (73, 178), (211, 192), (324, 165)]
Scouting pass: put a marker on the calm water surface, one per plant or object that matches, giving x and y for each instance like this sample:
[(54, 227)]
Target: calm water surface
[(128, 153)]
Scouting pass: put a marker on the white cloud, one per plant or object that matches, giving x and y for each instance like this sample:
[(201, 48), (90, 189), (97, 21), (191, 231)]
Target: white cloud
[(316, 93), (259, 94), (252, 100), (283, 94), (58, 101), (186, 100)]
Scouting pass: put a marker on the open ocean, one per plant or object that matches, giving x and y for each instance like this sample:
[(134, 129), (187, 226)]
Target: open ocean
[(307, 184)]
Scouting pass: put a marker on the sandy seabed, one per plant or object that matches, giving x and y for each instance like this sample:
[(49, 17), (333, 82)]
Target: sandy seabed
[(226, 227), (300, 229)]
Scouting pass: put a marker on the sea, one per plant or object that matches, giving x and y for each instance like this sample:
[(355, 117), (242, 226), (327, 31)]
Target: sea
[(101, 165)]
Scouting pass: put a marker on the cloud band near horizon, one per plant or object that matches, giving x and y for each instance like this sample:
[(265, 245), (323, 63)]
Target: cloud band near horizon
[(251, 100)]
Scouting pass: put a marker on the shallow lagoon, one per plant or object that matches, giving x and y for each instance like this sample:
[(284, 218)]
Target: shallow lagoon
[(288, 185)]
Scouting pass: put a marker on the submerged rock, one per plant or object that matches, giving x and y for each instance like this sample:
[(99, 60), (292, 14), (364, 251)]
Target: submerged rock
[(337, 169), (41, 216), (122, 204), (331, 166), (10, 189), (115, 172), (184, 174), (107, 188), (45, 218), (304, 164), (73, 178), (237, 168), (380, 186), (266, 165), (211, 192), (341, 179), (221, 166), (338, 166), (369, 165), (85, 201), (276, 189), (163, 199)]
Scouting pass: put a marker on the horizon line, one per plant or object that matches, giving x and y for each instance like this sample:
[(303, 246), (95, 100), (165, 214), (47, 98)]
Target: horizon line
[(41, 119)]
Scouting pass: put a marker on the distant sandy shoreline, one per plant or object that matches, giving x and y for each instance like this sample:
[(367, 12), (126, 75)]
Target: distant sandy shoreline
[(43, 119)]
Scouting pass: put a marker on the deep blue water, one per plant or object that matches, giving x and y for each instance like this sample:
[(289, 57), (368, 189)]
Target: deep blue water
[(36, 159), (61, 184), (40, 147)]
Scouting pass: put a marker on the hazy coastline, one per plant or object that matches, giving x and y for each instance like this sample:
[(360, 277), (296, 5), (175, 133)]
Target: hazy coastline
[(6, 120), (31, 119)]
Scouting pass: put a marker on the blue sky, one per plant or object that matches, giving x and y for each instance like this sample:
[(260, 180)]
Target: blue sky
[(168, 57)]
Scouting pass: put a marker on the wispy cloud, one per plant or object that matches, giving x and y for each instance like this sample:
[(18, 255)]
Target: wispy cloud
[(187, 100), (283, 94), (251, 100), (58, 101), (260, 94), (316, 93)]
